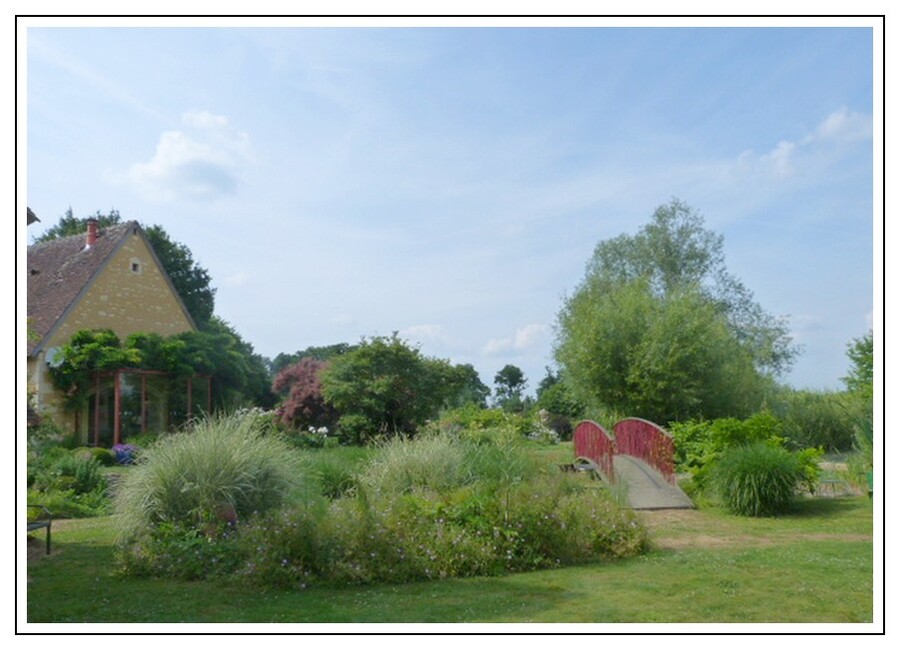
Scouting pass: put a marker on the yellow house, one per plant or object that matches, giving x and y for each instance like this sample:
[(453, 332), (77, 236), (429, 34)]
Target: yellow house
[(104, 279)]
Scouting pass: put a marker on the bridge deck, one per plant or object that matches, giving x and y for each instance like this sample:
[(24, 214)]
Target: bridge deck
[(646, 488)]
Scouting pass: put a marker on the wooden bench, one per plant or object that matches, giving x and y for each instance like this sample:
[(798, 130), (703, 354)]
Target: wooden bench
[(44, 522)]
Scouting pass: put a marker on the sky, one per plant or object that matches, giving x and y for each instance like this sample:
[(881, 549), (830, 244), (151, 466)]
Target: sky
[(451, 183)]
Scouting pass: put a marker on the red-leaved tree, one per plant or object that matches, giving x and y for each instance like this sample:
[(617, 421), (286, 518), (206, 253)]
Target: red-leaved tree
[(303, 405)]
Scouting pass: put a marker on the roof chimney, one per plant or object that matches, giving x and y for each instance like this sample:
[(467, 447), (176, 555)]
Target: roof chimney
[(91, 233)]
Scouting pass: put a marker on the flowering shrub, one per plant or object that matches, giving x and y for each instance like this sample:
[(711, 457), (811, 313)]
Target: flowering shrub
[(424, 535), (124, 454)]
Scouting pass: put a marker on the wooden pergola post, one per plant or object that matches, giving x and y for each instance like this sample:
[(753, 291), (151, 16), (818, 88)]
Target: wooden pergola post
[(97, 411), (143, 403), (190, 396), (117, 405)]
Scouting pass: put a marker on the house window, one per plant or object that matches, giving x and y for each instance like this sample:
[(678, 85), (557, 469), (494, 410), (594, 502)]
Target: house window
[(136, 266)]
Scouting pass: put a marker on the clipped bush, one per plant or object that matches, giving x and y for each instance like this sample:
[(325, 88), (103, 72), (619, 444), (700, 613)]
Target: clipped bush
[(103, 456), (758, 479), (220, 470)]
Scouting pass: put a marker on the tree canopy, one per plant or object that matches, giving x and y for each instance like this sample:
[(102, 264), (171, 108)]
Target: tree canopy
[(303, 403), (675, 250), (384, 387), (862, 361), (509, 386), (658, 328)]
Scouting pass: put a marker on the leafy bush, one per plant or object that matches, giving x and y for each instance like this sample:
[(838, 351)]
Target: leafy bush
[(221, 470), (177, 551), (471, 421), (699, 444), (758, 479), (818, 419), (103, 456), (66, 504), (61, 470)]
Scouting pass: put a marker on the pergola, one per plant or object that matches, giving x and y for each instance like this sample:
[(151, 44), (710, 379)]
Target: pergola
[(131, 401)]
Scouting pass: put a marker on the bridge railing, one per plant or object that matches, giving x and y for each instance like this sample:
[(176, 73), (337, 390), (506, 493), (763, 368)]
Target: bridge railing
[(594, 442), (649, 442)]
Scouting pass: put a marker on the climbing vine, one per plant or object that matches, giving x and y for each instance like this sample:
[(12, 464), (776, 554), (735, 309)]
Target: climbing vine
[(216, 353)]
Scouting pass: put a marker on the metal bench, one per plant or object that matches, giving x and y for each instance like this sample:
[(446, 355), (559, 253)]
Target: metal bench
[(44, 522)]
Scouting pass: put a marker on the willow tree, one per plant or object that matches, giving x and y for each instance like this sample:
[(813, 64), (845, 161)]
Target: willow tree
[(659, 328)]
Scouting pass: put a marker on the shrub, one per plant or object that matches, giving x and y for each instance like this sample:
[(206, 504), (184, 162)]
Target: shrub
[(103, 456), (124, 454), (818, 419), (699, 444), (177, 551), (471, 420), (758, 479), (220, 470), (61, 470), (421, 534)]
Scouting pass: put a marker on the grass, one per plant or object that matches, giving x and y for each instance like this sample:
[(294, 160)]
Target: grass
[(813, 566)]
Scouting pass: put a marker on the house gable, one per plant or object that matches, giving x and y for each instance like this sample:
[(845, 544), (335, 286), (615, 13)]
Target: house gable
[(117, 283), (130, 294)]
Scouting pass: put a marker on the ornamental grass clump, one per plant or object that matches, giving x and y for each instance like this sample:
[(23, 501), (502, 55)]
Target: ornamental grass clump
[(759, 479), (220, 470)]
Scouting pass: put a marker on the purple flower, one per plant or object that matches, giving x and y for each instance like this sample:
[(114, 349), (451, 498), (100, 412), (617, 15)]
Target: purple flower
[(124, 454)]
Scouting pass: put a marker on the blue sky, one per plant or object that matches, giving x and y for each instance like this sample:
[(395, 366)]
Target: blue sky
[(451, 183)]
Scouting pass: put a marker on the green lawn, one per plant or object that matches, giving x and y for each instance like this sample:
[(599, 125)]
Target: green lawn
[(707, 567)]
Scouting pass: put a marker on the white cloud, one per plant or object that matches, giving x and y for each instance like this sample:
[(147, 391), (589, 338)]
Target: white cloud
[(526, 338), (428, 333), (342, 320), (780, 158), (842, 127), (238, 279), (845, 126), (202, 162)]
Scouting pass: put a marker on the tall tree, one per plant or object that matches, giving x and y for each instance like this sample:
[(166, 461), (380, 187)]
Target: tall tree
[(69, 224), (384, 387), (674, 251), (862, 362), (319, 353), (659, 328), (509, 386), (470, 389), (191, 281)]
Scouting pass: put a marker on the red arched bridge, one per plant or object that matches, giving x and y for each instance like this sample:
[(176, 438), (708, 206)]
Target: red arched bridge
[(638, 455)]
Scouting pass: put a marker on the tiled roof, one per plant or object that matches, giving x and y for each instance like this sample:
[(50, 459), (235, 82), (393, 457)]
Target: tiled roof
[(60, 269)]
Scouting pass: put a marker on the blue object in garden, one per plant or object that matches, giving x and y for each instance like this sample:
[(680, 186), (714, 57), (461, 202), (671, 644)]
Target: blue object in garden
[(124, 454)]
